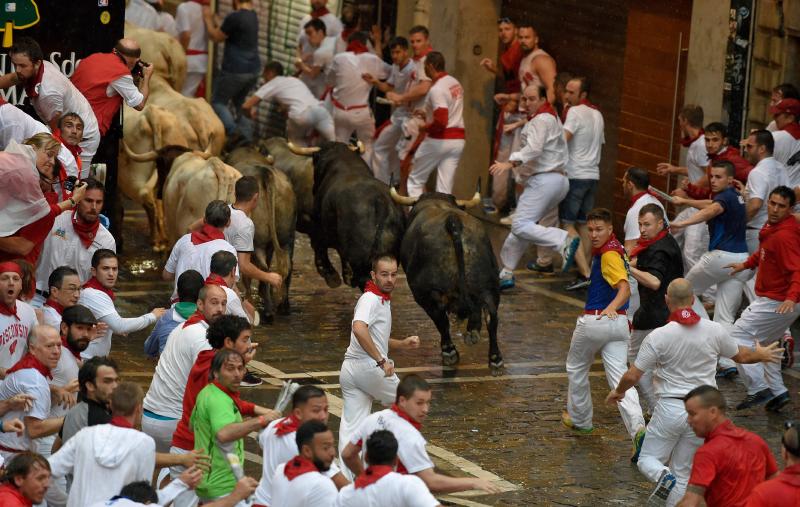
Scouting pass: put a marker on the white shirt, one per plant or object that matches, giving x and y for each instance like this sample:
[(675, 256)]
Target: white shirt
[(57, 95), (165, 395), (684, 357), (527, 74), (125, 87), (543, 147), (189, 18), (168, 24), (446, 93), (418, 75), (785, 146), (102, 459), (51, 316), (697, 159), (632, 216), (65, 372), (186, 255), (322, 57), (289, 92), (344, 74), (333, 28), (234, 304), (141, 13), (765, 176), (275, 451), (586, 145), (311, 489), (411, 453), (14, 334), (63, 247), (377, 316), (241, 231), (391, 490), (102, 307), (401, 80), (28, 381)]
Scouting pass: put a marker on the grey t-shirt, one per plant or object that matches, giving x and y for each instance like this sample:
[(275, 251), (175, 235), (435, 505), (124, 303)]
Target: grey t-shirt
[(84, 414)]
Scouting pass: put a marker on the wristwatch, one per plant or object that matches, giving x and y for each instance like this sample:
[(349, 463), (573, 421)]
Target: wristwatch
[(380, 363)]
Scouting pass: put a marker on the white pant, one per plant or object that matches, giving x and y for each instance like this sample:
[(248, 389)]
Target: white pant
[(760, 322), (610, 338), (693, 239), (362, 383), (543, 192), (410, 131), (441, 155), (751, 236), (634, 301), (191, 83), (188, 498), (711, 270), (385, 159), (646, 382), (161, 431), (671, 440), (300, 127), (359, 121)]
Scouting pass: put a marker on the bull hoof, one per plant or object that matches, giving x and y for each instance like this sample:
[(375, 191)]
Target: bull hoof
[(267, 318), (450, 357), (497, 366), (332, 278), (472, 337), (284, 308)]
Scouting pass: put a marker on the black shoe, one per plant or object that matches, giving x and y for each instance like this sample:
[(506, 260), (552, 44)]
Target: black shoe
[(578, 283), (753, 400), (538, 268), (778, 402), (250, 380)]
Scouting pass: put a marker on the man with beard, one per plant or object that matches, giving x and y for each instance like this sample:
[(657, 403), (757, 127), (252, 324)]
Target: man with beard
[(97, 379), (510, 58), (70, 134), (300, 482), (367, 372), (537, 68), (717, 148), (74, 238), (17, 318)]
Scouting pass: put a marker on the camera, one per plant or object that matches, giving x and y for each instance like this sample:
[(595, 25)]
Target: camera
[(69, 183), (138, 70)]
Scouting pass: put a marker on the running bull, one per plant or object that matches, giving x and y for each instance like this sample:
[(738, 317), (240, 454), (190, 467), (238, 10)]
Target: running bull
[(300, 171), (353, 213), (451, 269)]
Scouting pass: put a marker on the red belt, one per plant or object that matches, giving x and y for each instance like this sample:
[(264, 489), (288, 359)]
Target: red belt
[(598, 312), (341, 106), (190, 52)]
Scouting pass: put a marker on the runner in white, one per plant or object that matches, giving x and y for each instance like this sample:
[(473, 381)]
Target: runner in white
[(540, 165), (306, 113), (278, 440), (786, 114), (681, 355), (193, 36), (64, 291), (367, 372), (17, 318), (98, 296), (405, 420), (380, 485), (351, 89), (300, 482), (319, 10), (223, 274), (313, 65)]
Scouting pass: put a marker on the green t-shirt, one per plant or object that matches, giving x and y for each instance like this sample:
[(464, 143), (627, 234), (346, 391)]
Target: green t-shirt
[(214, 410)]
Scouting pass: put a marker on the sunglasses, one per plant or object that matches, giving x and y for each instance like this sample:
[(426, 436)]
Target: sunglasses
[(500, 21)]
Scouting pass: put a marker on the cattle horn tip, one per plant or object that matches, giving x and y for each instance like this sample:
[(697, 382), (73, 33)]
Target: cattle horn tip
[(402, 199), (476, 199), (302, 150), (148, 156)]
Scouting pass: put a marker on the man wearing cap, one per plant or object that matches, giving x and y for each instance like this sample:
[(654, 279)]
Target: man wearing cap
[(787, 138), (17, 318)]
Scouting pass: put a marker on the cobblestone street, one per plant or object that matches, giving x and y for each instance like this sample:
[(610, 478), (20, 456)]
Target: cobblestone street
[(503, 428)]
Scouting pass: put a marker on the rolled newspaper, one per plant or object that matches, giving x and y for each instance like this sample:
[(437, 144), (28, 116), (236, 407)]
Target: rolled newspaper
[(237, 469), (383, 100), (285, 396), (661, 195)]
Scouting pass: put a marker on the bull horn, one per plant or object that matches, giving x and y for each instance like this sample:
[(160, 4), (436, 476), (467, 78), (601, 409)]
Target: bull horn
[(148, 156), (300, 150), (206, 153), (270, 160), (359, 147), (476, 199), (401, 199)]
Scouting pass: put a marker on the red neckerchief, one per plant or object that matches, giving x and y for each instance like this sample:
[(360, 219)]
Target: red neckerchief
[(30, 361), (371, 287), (94, 283), (347, 32), (564, 112), (438, 77), (769, 229), (687, 141), (545, 109), (685, 316), (403, 415), (55, 305), (298, 466), (194, 319), (511, 57), (636, 197), (86, 231), (317, 13), (231, 394), (215, 279), (5, 310), (585, 102), (287, 425), (423, 54), (207, 233), (357, 47), (372, 475), (73, 148), (30, 86), (65, 343), (3, 101), (120, 422), (644, 244), (793, 129), (612, 245)]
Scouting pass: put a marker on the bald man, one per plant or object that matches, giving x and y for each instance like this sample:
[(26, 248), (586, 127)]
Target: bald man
[(681, 355)]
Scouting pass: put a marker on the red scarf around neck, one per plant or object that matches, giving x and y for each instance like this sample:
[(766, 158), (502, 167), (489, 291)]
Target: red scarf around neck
[(687, 141), (73, 148), (232, 394), (30, 85), (371, 287), (86, 231), (347, 32), (207, 233), (685, 316), (357, 47), (215, 279), (638, 196), (644, 244), (287, 425), (546, 108), (29, 361), (196, 317), (120, 422), (612, 245), (298, 466), (793, 129), (65, 343), (9, 311), (55, 305), (372, 475), (403, 415), (423, 54), (94, 283)]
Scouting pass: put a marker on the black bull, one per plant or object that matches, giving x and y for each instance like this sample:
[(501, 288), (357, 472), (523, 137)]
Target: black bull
[(353, 214), (451, 269)]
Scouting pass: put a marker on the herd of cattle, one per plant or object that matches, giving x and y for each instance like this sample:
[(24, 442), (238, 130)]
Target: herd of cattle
[(170, 165)]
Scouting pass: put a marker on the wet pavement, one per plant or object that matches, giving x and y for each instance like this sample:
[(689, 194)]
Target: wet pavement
[(504, 428)]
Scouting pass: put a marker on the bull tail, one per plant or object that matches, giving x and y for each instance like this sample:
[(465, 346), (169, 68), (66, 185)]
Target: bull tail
[(380, 222), (455, 228), (276, 246)]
